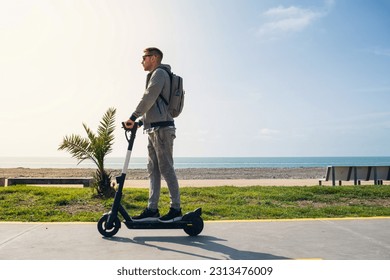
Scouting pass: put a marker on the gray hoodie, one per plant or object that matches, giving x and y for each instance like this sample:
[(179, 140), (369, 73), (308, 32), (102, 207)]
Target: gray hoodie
[(152, 107)]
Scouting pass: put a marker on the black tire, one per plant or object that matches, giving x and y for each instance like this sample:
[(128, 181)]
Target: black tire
[(195, 227), (108, 232)]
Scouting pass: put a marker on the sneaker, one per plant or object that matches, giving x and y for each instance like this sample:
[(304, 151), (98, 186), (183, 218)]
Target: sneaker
[(173, 215), (147, 215)]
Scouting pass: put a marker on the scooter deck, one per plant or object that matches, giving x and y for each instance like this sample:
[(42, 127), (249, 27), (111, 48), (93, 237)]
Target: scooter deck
[(186, 221), (157, 225)]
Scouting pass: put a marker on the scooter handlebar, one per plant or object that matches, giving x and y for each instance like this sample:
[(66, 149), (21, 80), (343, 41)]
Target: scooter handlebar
[(130, 129), (130, 133)]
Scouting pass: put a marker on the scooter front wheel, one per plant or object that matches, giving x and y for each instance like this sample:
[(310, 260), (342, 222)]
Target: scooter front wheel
[(104, 230)]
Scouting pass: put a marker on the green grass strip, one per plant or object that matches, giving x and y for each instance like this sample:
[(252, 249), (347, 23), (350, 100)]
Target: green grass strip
[(53, 204)]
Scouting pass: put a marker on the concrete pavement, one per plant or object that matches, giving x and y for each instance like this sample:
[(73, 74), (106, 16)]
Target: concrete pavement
[(331, 239)]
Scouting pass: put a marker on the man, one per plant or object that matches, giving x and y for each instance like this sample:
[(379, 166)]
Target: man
[(160, 127)]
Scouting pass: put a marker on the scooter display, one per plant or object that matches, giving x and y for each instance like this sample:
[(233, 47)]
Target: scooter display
[(109, 224)]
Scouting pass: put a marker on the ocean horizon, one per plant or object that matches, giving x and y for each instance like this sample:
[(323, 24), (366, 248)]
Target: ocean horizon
[(198, 162)]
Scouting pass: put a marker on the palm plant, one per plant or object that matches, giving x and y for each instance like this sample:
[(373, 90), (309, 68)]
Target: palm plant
[(95, 147)]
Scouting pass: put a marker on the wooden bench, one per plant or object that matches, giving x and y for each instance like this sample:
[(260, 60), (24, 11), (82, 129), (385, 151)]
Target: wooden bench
[(378, 174), (86, 182)]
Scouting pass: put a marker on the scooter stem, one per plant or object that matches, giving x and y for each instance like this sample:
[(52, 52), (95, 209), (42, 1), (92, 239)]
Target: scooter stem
[(121, 179), (130, 140)]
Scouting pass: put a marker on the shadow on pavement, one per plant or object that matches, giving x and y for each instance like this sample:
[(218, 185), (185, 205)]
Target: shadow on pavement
[(208, 243)]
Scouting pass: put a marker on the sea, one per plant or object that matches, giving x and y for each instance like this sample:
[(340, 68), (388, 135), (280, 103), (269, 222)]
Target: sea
[(198, 162)]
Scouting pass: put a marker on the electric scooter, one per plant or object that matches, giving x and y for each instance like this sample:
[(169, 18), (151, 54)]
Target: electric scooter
[(109, 224)]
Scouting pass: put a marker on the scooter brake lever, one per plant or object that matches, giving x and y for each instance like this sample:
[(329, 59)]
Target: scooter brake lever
[(124, 127)]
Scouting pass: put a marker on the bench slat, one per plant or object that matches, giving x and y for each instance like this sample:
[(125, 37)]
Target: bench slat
[(86, 182)]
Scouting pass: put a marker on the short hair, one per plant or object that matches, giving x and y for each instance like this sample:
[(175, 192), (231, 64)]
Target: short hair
[(154, 51)]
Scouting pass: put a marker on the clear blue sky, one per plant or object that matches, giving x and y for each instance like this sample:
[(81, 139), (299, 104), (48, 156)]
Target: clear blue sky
[(263, 78)]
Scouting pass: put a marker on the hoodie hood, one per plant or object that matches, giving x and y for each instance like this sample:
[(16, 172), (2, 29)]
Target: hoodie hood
[(166, 67)]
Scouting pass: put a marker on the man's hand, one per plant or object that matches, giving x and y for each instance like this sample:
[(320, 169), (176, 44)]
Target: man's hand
[(129, 124)]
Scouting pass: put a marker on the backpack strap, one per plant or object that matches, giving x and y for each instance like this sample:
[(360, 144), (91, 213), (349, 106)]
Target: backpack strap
[(163, 99), (161, 96)]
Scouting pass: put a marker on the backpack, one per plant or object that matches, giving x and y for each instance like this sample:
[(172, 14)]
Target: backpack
[(176, 99)]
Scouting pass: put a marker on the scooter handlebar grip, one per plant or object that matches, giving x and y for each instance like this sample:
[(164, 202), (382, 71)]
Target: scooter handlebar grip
[(130, 129), (124, 126)]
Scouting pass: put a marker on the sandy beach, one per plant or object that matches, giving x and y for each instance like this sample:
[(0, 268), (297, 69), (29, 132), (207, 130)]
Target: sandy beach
[(191, 177), (183, 174)]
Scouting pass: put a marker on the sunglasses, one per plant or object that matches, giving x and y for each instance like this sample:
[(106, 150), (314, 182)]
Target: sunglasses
[(145, 56)]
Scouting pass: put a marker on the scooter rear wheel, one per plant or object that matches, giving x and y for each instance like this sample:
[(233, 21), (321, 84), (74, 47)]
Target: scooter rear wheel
[(104, 230), (195, 227)]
